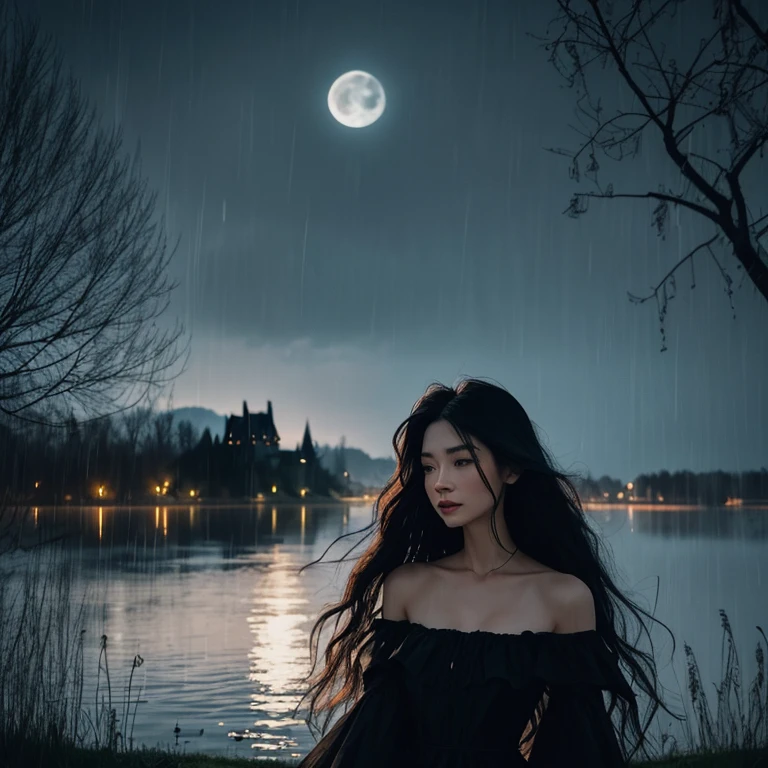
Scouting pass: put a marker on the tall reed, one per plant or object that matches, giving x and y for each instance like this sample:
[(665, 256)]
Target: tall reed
[(41, 648), (735, 725)]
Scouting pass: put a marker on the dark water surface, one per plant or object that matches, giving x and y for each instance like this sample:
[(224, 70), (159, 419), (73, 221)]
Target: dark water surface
[(211, 598)]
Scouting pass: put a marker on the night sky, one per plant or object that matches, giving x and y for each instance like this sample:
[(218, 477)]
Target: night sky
[(337, 271)]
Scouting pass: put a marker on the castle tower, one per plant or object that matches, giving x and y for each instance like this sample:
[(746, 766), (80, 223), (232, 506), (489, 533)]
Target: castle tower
[(307, 448)]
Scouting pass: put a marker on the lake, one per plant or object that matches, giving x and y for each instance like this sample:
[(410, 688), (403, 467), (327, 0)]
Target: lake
[(212, 600)]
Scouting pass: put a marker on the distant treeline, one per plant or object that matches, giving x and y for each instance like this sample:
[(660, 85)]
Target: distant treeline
[(129, 456), (705, 488), (125, 455)]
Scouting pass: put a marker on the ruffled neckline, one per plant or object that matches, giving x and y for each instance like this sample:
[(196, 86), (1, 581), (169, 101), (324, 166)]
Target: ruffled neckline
[(415, 626), (524, 659)]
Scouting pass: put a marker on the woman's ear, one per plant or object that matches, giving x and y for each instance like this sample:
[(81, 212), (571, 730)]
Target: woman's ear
[(512, 477)]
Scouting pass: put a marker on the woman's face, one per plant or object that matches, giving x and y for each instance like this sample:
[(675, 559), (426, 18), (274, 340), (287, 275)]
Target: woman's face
[(451, 475)]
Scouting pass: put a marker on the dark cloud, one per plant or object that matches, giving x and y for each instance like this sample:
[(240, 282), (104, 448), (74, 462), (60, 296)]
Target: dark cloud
[(430, 244)]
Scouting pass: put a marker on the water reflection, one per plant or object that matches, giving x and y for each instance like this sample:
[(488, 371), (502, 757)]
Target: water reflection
[(212, 600), (686, 522), (239, 528), (135, 534), (153, 576), (276, 620)]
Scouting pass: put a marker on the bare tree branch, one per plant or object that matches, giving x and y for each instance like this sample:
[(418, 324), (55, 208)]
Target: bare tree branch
[(665, 290), (84, 284), (650, 195), (762, 34), (724, 82)]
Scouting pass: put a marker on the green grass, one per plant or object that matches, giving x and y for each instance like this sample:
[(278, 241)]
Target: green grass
[(38, 755), (753, 758)]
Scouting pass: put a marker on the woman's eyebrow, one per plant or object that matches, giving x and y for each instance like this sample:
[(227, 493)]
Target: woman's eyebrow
[(455, 449)]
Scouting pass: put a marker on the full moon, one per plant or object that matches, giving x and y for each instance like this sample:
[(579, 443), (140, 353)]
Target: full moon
[(356, 99)]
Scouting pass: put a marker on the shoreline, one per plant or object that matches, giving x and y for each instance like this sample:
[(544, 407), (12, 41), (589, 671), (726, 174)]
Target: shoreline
[(199, 503), (64, 756)]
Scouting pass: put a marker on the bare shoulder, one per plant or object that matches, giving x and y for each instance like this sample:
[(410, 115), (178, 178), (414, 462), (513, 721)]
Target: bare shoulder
[(397, 586), (566, 586), (572, 603)]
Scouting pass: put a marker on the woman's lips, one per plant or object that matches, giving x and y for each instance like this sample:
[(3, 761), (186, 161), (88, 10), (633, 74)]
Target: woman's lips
[(448, 510)]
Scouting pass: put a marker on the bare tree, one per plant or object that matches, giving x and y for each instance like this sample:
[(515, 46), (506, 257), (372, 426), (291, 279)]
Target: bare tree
[(720, 90), (186, 435), (163, 431), (83, 260), (340, 458), (136, 423)]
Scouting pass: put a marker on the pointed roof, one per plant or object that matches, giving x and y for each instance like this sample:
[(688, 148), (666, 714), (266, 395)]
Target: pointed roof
[(307, 448), (251, 426)]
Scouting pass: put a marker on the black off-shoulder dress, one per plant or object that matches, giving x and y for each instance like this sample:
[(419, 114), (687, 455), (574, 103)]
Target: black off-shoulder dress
[(444, 698)]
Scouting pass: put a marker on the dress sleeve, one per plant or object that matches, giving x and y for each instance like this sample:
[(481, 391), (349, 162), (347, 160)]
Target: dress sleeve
[(377, 732), (575, 729)]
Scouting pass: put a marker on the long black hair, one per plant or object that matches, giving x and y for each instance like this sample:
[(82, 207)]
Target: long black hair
[(544, 517)]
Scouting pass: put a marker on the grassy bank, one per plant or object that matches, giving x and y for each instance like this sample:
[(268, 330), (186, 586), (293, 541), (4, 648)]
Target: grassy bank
[(38, 755)]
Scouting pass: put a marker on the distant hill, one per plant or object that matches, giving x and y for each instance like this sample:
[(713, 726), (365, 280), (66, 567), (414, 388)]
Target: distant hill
[(200, 419), (361, 467)]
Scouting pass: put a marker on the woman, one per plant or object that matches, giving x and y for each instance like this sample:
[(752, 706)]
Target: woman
[(500, 626)]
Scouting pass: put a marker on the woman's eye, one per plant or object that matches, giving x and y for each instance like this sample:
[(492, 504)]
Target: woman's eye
[(458, 461)]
